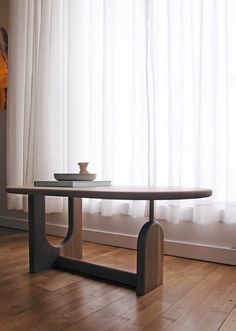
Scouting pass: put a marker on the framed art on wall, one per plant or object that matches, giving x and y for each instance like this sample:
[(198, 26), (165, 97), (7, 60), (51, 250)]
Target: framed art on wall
[(3, 68)]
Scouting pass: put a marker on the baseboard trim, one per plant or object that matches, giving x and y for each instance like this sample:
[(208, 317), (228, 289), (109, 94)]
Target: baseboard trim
[(14, 223), (22, 224), (110, 238), (225, 255)]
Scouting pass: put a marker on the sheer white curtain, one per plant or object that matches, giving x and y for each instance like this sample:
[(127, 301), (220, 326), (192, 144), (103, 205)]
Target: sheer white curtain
[(143, 90)]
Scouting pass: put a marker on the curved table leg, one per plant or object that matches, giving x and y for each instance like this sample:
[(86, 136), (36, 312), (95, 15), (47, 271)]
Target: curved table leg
[(41, 254), (72, 244), (150, 249)]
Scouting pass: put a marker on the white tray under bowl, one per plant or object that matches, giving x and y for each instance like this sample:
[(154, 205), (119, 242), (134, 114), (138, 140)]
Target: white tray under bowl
[(75, 176)]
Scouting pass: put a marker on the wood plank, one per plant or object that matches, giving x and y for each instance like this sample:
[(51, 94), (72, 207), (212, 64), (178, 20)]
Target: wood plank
[(97, 300), (103, 321), (230, 322), (202, 308), (122, 258), (120, 276), (59, 281), (148, 307)]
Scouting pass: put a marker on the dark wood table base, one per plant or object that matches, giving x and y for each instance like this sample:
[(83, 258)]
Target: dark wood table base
[(68, 255)]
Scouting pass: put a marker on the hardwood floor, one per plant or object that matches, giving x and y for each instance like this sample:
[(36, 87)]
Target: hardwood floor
[(195, 296)]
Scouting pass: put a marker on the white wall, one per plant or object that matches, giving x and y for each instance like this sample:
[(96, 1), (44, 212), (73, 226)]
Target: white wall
[(4, 11)]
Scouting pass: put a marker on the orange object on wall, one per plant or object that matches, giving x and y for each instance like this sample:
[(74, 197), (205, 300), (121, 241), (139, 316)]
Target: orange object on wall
[(3, 68)]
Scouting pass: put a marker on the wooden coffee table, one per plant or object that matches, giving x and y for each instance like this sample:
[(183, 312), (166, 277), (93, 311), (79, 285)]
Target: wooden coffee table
[(68, 255)]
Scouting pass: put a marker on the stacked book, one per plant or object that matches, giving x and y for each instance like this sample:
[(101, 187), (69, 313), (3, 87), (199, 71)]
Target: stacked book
[(72, 183)]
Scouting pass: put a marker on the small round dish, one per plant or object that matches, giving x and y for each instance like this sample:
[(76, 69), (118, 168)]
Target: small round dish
[(74, 177)]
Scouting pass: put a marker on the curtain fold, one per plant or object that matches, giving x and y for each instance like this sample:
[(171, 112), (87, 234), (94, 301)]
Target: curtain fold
[(144, 90)]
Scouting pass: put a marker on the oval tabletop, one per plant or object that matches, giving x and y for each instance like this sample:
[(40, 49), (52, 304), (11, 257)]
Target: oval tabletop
[(116, 192)]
